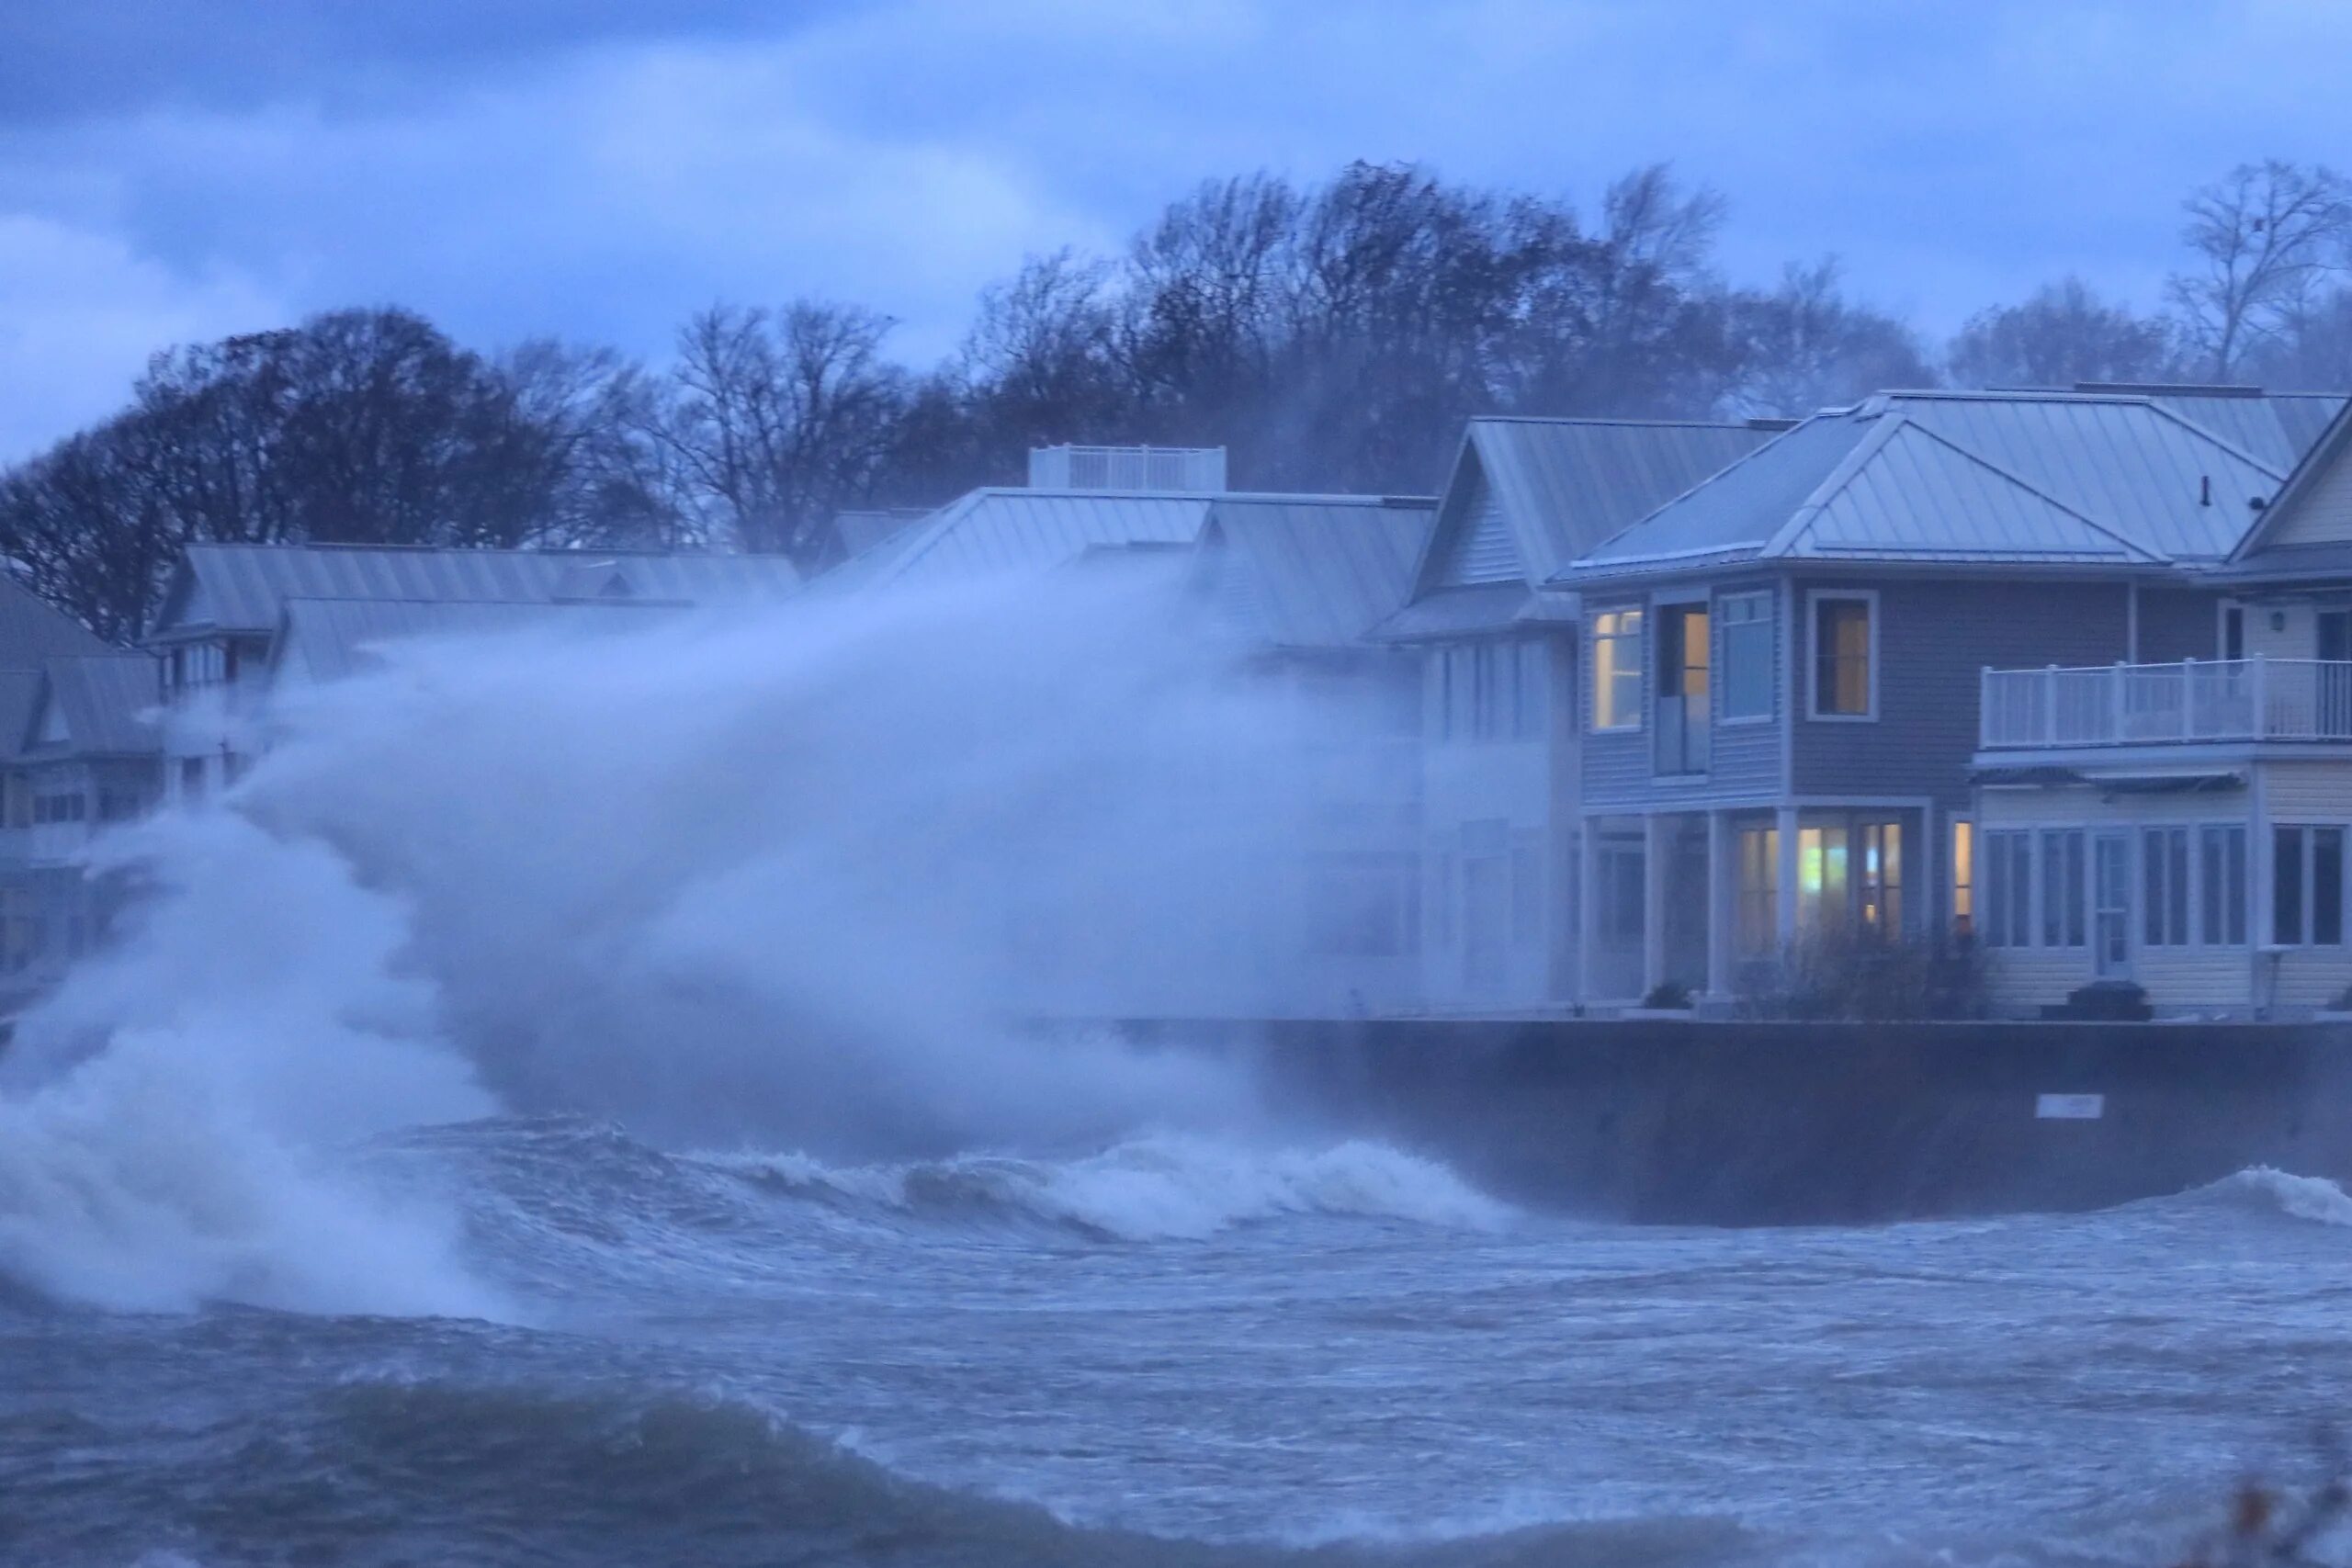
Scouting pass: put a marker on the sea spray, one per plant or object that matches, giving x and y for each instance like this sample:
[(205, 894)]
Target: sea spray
[(786, 878), (169, 1114)]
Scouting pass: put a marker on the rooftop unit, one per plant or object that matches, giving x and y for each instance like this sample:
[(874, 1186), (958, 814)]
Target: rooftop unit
[(1191, 470)]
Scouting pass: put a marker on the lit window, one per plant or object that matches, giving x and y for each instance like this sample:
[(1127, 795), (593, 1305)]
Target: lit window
[(1963, 878), (1881, 879), (1842, 678), (1747, 656), (1617, 669), (1821, 879)]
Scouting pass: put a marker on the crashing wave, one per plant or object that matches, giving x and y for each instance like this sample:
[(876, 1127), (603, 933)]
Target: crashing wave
[(1154, 1188), (2311, 1198)]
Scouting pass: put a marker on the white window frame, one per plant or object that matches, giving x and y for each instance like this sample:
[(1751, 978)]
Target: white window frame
[(1814, 599), (1639, 637), (1721, 677)]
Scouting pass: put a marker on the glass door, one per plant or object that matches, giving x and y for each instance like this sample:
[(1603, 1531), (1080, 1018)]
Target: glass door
[(2111, 905)]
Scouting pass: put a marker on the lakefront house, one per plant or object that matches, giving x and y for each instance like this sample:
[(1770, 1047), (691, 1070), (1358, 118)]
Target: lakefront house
[(2176, 820), (1779, 701)]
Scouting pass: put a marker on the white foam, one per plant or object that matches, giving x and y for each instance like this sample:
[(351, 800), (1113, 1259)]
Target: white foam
[(167, 1129), (2309, 1198), (1165, 1187)]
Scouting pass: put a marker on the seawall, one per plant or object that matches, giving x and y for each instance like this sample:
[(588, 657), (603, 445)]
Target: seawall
[(1684, 1121)]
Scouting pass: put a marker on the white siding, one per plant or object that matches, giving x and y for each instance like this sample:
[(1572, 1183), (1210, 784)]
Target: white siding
[(2325, 515), (1485, 550)]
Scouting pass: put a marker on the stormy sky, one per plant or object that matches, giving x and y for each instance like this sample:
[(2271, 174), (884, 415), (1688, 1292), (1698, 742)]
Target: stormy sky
[(597, 168)]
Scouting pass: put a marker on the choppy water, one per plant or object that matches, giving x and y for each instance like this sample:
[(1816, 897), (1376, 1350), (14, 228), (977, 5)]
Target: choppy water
[(1184, 1351)]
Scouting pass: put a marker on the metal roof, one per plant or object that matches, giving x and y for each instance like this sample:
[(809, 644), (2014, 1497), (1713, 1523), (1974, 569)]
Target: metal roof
[(994, 531), (2276, 427), (31, 630), (107, 702), (1457, 612), (2013, 479), (329, 639), (1312, 573), (243, 588), (1565, 485)]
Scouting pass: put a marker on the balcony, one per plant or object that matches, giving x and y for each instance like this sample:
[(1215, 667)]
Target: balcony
[(2143, 704)]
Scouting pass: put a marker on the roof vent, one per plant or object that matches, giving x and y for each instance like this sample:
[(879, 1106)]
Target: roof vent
[(1191, 470), (2171, 388)]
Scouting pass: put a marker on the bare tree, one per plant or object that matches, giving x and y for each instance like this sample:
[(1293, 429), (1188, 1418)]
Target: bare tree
[(1804, 345), (2263, 236), (2062, 336), (779, 418)]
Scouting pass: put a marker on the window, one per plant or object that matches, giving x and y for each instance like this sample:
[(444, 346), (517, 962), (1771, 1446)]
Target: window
[(1881, 887), (1617, 669), (1844, 679), (1758, 921), (1491, 691), (2234, 631), (2164, 884), (2008, 889), (2222, 857), (191, 777), (2307, 886), (1963, 878), (2063, 918), (1821, 879), (1442, 888), (1747, 656), (1619, 868)]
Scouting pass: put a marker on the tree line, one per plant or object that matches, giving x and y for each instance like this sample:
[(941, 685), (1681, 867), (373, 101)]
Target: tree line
[(1333, 337)]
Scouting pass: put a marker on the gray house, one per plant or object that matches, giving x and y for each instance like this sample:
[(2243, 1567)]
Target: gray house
[(1780, 700), (1500, 658)]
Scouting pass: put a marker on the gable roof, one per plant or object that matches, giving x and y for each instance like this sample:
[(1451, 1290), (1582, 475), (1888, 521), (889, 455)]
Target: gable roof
[(245, 588), (32, 630), (1296, 572), (103, 703), (2029, 478), (2307, 526), (1564, 485)]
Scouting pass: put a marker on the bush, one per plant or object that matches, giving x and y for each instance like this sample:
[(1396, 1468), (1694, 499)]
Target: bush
[(1669, 996), (1842, 976)]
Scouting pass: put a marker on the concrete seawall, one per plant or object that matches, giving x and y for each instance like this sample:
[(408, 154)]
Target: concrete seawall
[(1674, 1121)]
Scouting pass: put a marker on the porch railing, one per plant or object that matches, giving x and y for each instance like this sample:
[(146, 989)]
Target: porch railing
[(2136, 705)]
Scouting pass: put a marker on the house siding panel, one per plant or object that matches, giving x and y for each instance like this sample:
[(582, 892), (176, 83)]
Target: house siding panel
[(2177, 623), (2324, 515), (1484, 552), (2308, 792), (1934, 641)]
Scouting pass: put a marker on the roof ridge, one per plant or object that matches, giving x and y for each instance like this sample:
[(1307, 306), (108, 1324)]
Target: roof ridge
[(2130, 545), (1885, 423), (2230, 446), (1677, 499)]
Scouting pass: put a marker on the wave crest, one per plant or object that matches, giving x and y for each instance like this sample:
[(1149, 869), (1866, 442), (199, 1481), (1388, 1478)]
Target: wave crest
[(2311, 1198), (1153, 1188)]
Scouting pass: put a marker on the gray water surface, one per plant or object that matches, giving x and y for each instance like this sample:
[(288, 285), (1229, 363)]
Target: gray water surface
[(1188, 1352)]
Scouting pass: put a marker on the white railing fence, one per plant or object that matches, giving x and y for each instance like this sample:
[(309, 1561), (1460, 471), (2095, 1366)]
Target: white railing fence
[(2125, 705)]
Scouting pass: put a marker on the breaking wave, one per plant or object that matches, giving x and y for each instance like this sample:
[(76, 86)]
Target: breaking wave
[(1152, 1189), (2311, 1198)]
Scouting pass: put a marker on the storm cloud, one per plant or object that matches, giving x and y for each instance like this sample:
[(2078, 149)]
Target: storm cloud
[(514, 167)]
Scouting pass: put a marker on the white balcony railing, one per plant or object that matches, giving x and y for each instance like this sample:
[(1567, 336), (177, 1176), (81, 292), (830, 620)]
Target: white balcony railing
[(2138, 705)]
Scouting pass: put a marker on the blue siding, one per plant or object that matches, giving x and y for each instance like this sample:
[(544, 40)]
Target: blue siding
[(1934, 639), (2178, 622)]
